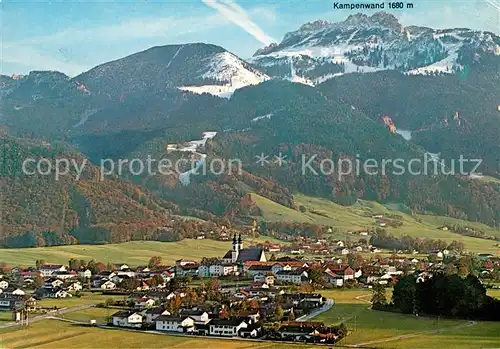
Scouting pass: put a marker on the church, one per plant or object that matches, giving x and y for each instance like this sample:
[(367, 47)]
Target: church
[(240, 254)]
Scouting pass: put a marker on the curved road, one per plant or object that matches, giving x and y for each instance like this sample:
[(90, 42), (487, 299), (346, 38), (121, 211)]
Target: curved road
[(328, 304)]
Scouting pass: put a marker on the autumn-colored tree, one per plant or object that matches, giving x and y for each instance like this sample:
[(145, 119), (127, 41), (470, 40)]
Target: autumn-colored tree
[(174, 304), (38, 281), (154, 261), (213, 290), (278, 313), (378, 297), (39, 263), (99, 266)]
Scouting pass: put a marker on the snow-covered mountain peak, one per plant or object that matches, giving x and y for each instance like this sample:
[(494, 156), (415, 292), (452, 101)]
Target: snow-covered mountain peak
[(320, 50), (228, 72)]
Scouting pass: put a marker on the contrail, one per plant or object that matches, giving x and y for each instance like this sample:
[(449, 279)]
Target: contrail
[(238, 16), (493, 4)]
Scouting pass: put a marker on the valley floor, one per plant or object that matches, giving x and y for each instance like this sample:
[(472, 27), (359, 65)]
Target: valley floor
[(369, 329)]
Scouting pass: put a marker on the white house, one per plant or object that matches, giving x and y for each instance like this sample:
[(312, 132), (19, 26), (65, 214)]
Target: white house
[(218, 269), (199, 316), (122, 267), (74, 286), (52, 283), (143, 302), (64, 275), (333, 278), (152, 314), (47, 270), (108, 285), (4, 284), (226, 327), (174, 323), (62, 294), (18, 292), (293, 276), (268, 279), (85, 274), (127, 319)]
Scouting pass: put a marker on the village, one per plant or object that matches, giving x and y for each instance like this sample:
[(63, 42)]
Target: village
[(243, 294)]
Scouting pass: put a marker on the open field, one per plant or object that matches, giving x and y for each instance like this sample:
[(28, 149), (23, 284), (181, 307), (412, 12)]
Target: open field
[(100, 315), (49, 334), (132, 253), (376, 329), (358, 217)]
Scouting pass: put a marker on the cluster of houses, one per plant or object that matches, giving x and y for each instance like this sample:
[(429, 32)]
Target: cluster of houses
[(302, 246), (194, 321), (209, 320), (258, 278)]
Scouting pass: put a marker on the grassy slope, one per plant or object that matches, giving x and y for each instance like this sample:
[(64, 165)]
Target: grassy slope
[(358, 216)]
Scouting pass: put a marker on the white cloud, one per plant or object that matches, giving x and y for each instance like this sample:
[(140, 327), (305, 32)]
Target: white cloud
[(36, 60), (238, 16)]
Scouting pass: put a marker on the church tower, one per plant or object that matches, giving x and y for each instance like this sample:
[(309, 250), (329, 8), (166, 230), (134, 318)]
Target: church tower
[(240, 243), (236, 249)]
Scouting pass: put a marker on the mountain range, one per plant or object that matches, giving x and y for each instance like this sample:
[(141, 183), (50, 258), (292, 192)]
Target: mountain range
[(325, 90), (320, 50)]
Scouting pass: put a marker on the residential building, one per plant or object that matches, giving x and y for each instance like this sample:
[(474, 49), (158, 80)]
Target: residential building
[(226, 327), (108, 285), (294, 276), (85, 274), (47, 270), (127, 319), (174, 323)]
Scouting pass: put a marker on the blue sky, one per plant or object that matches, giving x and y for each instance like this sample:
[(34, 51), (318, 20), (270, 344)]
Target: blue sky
[(73, 36)]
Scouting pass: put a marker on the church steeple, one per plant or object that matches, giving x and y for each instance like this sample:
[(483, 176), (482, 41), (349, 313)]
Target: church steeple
[(235, 243), (240, 243), (236, 249)]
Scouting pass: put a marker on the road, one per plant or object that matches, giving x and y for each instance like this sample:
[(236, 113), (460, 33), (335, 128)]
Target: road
[(328, 304), (49, 315)]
